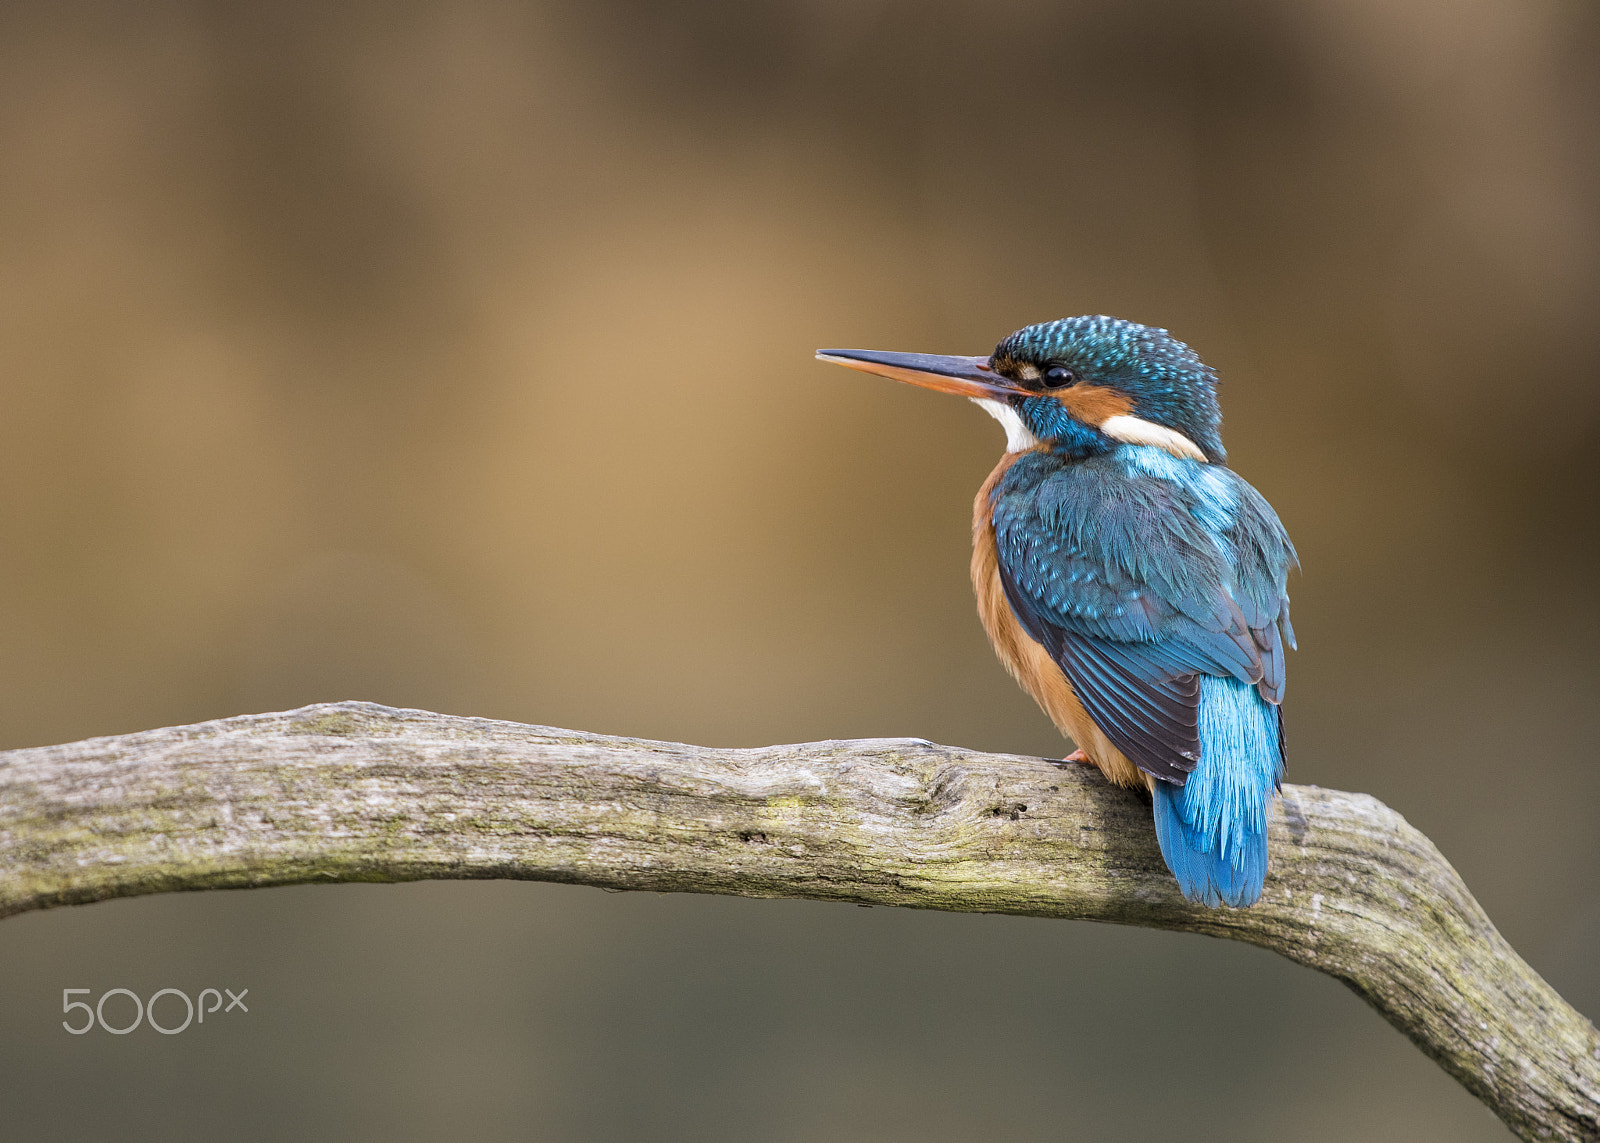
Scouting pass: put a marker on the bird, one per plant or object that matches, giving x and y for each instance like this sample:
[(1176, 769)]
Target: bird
[(1131, 581)]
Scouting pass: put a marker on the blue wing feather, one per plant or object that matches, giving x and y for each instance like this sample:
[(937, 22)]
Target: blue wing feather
[(1157, 584)]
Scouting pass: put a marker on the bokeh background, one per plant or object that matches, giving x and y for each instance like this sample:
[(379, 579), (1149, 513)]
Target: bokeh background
[(457, 355)]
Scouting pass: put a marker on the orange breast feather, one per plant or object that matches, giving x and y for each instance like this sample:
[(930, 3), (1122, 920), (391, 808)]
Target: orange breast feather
[(1029, 663)]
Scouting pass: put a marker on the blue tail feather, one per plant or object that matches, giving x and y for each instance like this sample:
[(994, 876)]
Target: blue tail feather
[(1213, 828)]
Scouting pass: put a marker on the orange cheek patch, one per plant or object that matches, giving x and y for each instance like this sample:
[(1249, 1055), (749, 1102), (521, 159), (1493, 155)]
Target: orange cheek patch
[(1095, 404)]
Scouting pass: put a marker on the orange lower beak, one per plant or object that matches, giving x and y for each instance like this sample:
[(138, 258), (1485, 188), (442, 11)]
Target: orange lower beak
[(963, 376)]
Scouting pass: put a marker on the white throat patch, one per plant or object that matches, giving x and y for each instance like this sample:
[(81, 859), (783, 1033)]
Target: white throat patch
[(1019, 438)]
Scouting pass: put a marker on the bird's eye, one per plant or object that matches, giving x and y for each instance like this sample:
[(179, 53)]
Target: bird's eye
[(1057, 377)]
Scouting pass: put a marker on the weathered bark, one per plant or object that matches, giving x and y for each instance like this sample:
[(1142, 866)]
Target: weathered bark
[(360, 792)]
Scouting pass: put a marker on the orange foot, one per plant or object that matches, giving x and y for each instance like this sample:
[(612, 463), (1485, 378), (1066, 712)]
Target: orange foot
[(1078, 756)]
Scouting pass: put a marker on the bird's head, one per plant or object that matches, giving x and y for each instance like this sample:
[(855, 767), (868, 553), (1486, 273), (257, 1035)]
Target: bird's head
[(1082, 385)]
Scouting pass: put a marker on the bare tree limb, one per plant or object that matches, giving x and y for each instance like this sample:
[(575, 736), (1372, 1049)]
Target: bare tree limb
[(360, 792)]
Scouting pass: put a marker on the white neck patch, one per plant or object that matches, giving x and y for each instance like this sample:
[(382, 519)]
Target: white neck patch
[(1138, 431), (1019, 438)]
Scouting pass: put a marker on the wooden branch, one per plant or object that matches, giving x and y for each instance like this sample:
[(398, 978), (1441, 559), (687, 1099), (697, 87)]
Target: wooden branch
[(360, 792)]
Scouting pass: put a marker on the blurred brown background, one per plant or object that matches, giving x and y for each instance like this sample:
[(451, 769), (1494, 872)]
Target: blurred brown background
[(458, 356)]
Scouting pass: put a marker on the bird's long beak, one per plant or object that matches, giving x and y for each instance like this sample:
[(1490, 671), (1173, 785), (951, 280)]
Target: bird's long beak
[(963, 376)]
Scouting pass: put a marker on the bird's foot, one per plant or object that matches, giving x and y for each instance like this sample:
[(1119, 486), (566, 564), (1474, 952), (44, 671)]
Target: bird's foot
[(1078, 756)]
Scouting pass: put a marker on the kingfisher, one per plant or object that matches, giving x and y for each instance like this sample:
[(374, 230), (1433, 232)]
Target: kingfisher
[(1129, 579)]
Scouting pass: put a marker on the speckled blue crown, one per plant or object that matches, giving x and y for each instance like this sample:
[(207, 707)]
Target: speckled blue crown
[(1168, 382)]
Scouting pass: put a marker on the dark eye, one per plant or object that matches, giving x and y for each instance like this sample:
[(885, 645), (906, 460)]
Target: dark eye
[(1058, 376)]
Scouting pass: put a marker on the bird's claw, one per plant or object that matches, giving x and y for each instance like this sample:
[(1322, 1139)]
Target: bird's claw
[(1078, 756)]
